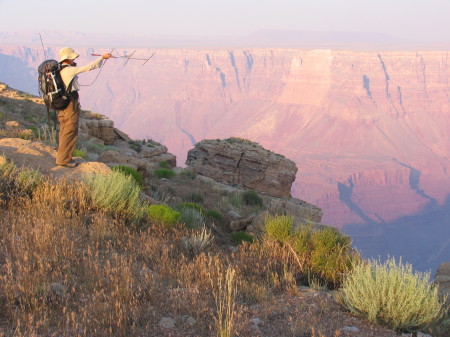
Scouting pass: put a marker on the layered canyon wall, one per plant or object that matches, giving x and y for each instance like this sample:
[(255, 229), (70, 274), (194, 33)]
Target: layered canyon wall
[(368, 130)]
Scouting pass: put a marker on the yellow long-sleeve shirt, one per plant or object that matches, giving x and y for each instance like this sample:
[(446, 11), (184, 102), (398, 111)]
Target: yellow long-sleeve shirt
[(70, 72)]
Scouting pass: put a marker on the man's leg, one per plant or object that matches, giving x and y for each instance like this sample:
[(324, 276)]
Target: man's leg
[(68, 132)]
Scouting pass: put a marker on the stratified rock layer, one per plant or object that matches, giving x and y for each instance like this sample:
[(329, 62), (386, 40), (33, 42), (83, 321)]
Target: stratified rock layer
[(241, 162)]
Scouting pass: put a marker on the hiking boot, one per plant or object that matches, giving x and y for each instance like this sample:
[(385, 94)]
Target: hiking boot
[(70, 164)]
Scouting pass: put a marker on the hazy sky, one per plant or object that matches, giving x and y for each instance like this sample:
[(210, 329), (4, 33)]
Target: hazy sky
[(419, 20)]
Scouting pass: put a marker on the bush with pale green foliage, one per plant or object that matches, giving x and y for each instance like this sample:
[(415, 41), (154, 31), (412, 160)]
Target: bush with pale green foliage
[(391, 294), (191, 217), (163, 214), (116, 193)]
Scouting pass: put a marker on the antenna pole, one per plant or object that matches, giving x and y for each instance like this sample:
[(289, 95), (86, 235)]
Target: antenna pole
[(43, 49)]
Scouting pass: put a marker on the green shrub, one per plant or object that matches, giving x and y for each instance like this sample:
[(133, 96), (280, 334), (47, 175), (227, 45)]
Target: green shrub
[(323, 255), (80, 153), (239, 237), (163, 214), (279, 227), (331, 255), (392, 294), (164, 173), (191, 205), (214, 214), (164, 164), (116, 193), (251, 198), (129, 171)]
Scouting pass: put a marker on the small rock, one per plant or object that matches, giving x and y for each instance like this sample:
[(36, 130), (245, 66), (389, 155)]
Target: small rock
[(238, 225), (256, 321), (148, 199), (191, 320), (167, 323), (13, 125), (350, 329), (233, 249), (233, 214), (258, 223)]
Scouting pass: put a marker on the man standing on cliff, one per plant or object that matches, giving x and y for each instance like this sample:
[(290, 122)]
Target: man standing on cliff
[(68, 118)]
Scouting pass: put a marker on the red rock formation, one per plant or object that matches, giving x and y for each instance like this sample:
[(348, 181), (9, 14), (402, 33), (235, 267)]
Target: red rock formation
[(237, 161)]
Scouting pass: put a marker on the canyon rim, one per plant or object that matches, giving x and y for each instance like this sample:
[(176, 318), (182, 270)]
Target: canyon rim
[(368, 129)]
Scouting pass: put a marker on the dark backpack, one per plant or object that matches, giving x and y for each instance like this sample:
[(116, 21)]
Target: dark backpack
[(51, 85)]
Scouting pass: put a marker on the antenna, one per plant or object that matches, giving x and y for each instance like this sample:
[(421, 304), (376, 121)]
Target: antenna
[(128, 58), (43, 49), (148, 59)]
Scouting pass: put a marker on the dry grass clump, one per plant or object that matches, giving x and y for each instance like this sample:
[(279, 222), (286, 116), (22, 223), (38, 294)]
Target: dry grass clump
[(69, 270), (223, 284)]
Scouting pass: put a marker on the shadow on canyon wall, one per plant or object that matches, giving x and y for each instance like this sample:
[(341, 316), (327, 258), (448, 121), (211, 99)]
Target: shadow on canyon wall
[(421, 239), (17, 74)]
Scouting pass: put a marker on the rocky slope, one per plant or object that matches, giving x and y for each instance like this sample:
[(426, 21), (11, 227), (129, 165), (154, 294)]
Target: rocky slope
[(248, 165), (368, 130)]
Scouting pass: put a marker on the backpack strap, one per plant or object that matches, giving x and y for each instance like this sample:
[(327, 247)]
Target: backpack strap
[(69, 87)]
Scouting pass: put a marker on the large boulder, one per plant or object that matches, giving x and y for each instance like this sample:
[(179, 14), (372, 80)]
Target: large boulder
[(40, 156), (240, 162), (99, 128)]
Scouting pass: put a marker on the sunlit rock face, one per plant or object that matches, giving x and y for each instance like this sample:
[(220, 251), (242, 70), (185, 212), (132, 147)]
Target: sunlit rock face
[(368, 130)]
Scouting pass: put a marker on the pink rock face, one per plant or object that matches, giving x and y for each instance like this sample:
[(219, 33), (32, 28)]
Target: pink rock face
[(237, 161), (368, 130)]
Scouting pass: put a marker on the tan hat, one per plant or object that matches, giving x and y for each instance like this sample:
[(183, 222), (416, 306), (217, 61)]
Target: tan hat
[(67, 53)]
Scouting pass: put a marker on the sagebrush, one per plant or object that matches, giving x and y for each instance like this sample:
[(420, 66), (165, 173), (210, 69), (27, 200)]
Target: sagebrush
[(391, 294)]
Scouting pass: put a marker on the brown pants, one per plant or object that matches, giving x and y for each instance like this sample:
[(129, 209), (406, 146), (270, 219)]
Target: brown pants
[(68, 132)]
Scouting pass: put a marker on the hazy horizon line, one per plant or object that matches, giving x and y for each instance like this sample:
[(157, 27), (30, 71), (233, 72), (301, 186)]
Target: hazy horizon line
[(263, 38)]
